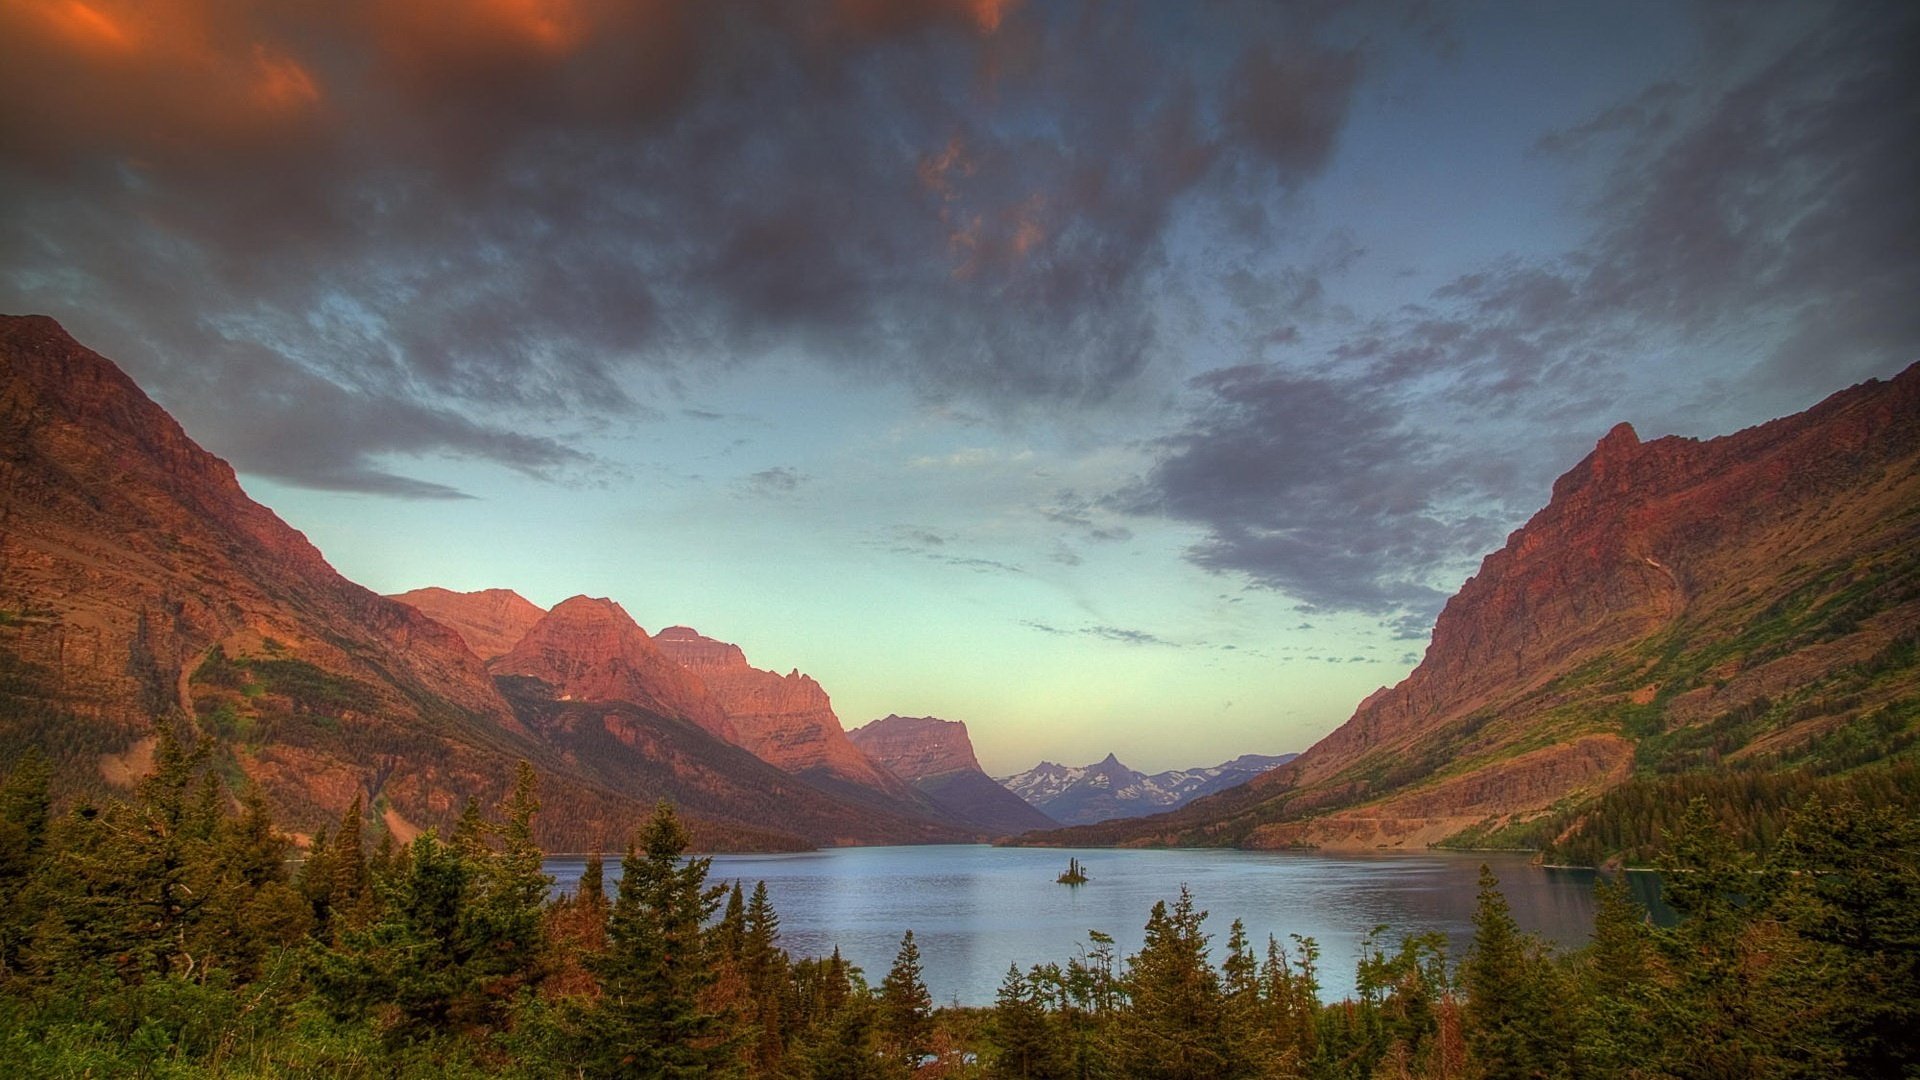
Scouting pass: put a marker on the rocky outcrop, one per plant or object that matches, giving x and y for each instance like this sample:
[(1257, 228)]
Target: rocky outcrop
[(590, 649), (786, 720), (936, 756), (490, 621), (1669, 584), (916, 747)]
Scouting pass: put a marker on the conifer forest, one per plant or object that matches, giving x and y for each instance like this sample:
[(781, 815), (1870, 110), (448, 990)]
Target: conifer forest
[(173, 934)]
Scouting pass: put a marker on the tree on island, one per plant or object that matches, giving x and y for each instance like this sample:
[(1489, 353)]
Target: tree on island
[(1075, 875)]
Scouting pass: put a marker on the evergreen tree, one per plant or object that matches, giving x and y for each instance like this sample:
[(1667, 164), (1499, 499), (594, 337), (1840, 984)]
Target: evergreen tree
[(764, 965), (650, 1019), (1515, 1025), (906, 1008), (592, 890), (729, 935), (1847, 879), (1616, 980), (510, 888), (1176, 1019), (350, 898), (1023, 1045)]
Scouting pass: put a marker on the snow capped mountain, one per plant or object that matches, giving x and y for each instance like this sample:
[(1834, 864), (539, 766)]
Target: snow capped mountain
[(1081, 795)]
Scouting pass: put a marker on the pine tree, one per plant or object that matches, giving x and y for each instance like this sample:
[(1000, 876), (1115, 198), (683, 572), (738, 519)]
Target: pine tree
[(1023, 1046), (592, 889), (350, 897), (649, 1019), (1617, 983), (1176, 1019), (1513, 1028), (764, 964), (906, 1008), (507, 908)]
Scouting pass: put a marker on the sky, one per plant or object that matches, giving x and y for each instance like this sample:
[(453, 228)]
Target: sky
[(1113, 377)]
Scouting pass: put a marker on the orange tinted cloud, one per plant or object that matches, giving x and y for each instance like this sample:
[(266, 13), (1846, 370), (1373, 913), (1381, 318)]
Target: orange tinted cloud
[(988, 13), (281, 83), (84, 27), (935, 170), (551, 26), (895, 16)]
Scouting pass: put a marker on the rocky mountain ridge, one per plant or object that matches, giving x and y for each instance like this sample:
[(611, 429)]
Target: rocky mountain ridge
[(1747, 601), (490, 621), (786, 720), (589, 649)]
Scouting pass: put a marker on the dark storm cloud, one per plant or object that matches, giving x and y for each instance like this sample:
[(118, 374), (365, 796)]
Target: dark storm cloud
[(501, 210), (1773, 208), (1311, 485)]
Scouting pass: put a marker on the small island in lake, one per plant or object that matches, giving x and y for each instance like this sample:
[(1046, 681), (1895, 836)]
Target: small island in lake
[(1075, 875)]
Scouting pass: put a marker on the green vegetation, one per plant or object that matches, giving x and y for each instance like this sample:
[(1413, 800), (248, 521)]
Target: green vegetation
[(1074, 874), (170, 935)]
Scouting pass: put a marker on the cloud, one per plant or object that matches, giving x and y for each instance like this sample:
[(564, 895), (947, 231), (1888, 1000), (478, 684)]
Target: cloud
[(505, 211), (777, 482), (928, 544), (1312, 485), (1765, 212), (1121, 635)]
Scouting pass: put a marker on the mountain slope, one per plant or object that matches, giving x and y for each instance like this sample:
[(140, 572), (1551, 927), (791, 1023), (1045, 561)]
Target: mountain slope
[(490, 621), (139, 584), (1746, 602), (1107, 789), (936, 756), (130, 558)]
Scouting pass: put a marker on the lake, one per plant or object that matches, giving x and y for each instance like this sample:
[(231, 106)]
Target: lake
[(974, 909)]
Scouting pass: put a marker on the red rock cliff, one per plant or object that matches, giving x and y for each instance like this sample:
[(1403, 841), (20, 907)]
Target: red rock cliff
[(490, 621), (786, 720), (590, 649), (917, 747)]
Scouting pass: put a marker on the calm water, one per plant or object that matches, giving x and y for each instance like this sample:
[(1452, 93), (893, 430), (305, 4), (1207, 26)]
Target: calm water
[(975, 909)]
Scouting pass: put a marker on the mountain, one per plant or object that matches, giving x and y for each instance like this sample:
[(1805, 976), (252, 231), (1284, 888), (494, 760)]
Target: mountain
[(590, 649), (139, 584), (936, 756), (1744, 606), (490, 621), (786, 720), (1107, 789)]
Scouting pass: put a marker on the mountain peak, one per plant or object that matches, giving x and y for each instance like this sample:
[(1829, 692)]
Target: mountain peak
[(917, 747), (491, 621), (786, 720), (589, 649)]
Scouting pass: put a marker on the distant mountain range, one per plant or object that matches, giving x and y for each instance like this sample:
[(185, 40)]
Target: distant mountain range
[(1107, 789), (1737, 618)]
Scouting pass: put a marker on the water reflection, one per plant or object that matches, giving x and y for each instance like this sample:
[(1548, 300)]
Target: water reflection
[(975, 909)]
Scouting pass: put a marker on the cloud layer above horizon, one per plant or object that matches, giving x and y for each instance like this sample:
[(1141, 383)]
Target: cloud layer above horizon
[(1331, 291)]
